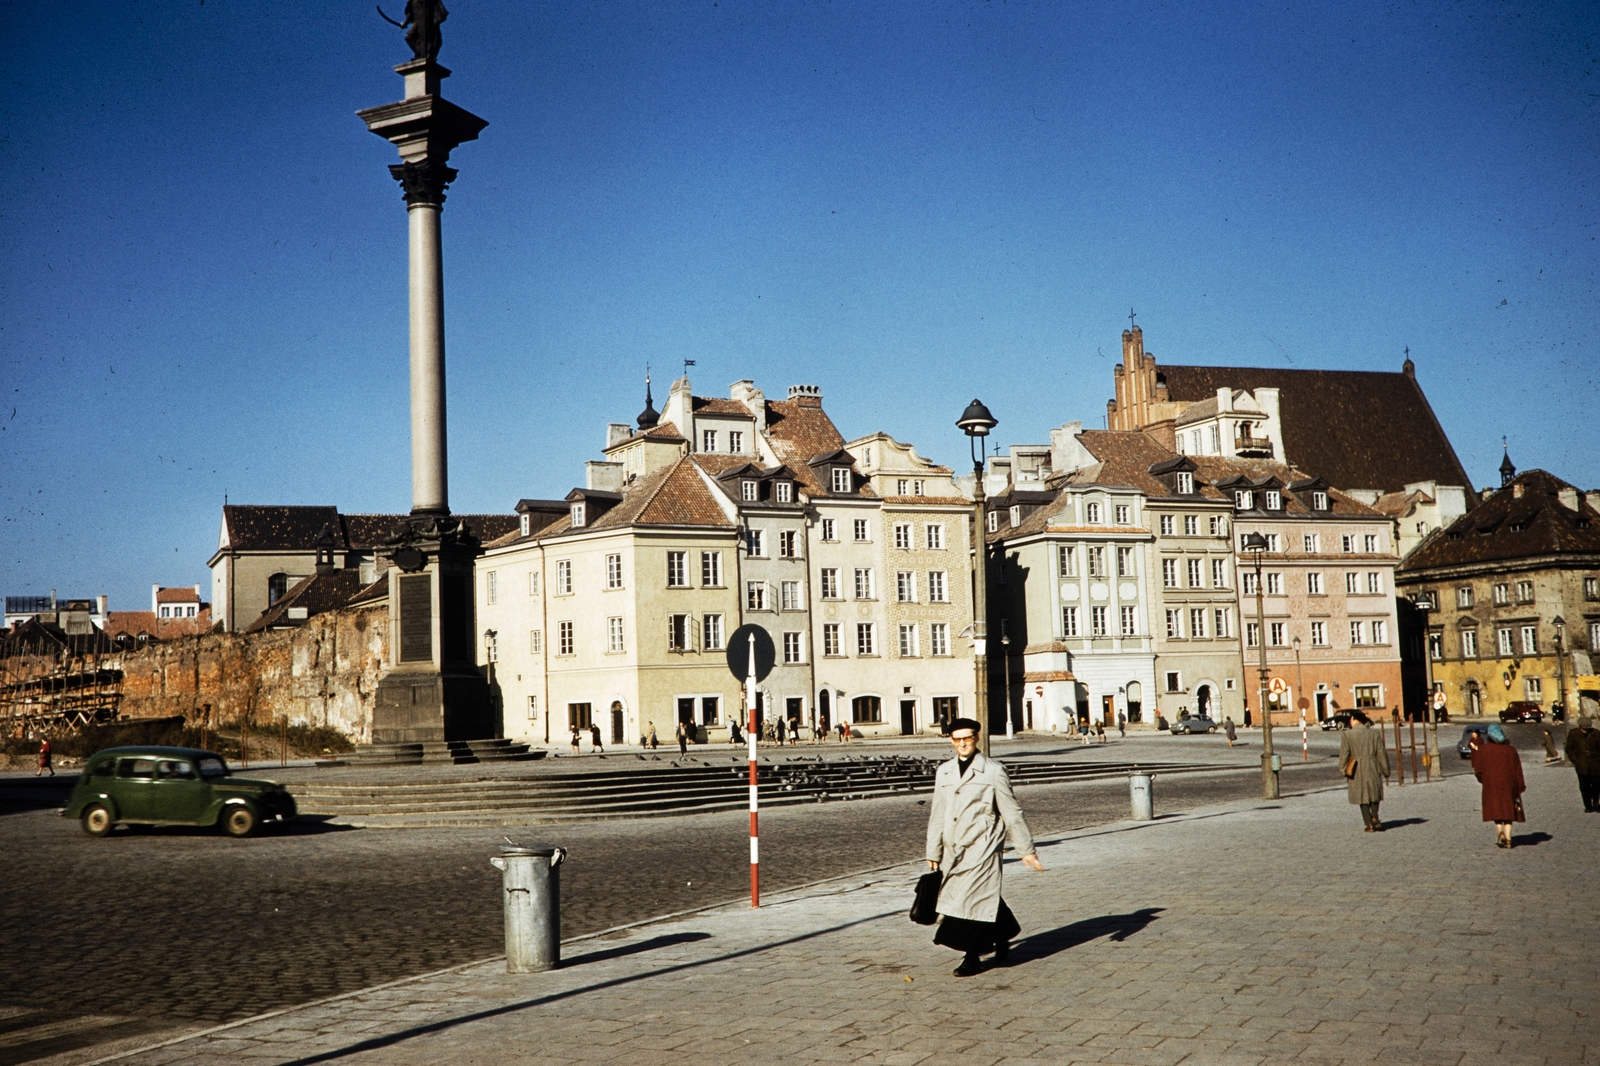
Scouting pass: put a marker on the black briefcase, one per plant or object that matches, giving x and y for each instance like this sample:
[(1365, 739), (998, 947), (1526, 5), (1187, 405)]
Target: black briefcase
[(924, 908)]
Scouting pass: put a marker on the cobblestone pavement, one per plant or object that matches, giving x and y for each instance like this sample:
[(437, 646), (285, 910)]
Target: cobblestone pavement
[(1244, 933), (106, 939)]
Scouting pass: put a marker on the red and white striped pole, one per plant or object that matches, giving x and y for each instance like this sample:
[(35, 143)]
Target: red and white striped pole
[(1305, 749), (750, 736)]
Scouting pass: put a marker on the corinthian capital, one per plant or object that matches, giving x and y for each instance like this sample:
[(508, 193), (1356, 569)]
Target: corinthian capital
[(424, 183)]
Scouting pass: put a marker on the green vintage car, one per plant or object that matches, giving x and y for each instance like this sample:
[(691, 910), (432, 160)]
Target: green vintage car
[(172, 786)]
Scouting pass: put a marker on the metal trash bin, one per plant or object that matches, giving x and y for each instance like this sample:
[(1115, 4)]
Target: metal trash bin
[(1141, 790), (532, 905)]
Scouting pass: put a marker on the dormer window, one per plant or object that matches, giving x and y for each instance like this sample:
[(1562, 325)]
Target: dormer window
[(1319, 501), (1274, 501), (1185, 484), (993, 522), (525, 525), (841, 479), (1244, 499), (750, 491), (783, 491), (902, 487), (577, 515), (708, 440), (1016, 517), (735, 442), (1091, 514), (916, 488)]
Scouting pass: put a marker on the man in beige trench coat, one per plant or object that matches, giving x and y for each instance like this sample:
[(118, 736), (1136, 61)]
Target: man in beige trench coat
[(1364, 744), (972, 814)]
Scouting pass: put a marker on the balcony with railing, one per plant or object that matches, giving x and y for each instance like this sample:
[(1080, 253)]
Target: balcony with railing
[(1252, 447)]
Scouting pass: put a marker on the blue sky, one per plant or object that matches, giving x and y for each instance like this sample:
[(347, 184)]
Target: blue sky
[(202, 256)]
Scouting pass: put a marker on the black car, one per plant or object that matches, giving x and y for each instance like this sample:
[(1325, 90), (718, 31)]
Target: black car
[(1464, 749), (1522, 711)]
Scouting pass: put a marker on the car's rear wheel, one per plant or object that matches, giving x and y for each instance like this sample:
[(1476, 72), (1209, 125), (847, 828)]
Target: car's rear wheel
[(97, 820), (238, 820)]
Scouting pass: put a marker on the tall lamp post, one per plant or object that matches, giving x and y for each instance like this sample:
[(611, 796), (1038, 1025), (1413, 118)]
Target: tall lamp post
[(1300, 700), (1426, 604), (1256, 545), (1005, 665), (1561, 664), (976, 422)]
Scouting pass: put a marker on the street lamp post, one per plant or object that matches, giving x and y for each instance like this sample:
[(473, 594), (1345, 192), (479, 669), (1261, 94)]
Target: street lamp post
[(1561, 664), (1435, 771), (976, 422), (1005, 663), (1256, 544)]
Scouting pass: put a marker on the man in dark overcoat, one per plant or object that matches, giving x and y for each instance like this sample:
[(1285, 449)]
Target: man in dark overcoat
[(1583, 752), (972, 813)]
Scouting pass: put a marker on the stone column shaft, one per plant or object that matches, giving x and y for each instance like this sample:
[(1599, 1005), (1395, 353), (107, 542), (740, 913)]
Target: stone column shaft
[(429, 464)]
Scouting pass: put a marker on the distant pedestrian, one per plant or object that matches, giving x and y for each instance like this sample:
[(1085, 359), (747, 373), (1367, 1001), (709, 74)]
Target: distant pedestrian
[(1229, 728), (683, 739), (594, 738), (1583, 752), (653, 742), (574, 740), (1550, 752), (846, 731), (44, 758), (794, 731), (972, 814), (734, 736), (1365, 762), (1122, 724), (1498, 766)]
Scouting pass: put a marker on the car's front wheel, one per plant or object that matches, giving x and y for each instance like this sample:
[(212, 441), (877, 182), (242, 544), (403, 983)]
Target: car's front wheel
[(238, 820), (97, 820)]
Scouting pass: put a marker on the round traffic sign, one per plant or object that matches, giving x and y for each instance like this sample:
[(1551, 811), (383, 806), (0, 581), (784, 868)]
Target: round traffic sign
[(1438, 699), (739, 652), (1277, 684)]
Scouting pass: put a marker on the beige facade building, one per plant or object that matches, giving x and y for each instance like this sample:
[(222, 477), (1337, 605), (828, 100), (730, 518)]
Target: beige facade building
[(718, 513)]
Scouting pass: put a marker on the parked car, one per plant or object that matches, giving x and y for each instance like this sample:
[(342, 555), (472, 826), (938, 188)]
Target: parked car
[(1522, 711), (172, 786), (1193, 725), (1340, 720), (1464, 749)]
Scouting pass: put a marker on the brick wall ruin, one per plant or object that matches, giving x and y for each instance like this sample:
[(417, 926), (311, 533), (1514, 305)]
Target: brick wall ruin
[(324, 673)]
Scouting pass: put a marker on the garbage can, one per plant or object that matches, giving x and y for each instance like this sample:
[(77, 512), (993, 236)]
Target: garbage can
[(1140, 790), (532, 879)]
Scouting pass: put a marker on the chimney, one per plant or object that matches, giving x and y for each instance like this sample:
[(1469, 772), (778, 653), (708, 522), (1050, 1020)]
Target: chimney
[(616, 433), (805, 395), (754, 400), (1569, 498), (1593, 496), (101, 602), (155, 595)]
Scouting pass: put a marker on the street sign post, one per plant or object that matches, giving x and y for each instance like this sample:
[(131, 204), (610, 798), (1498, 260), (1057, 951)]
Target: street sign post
[(752, 647)]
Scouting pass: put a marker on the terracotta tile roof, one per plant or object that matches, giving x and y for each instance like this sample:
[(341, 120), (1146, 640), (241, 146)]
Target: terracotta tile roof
[(318, 594), (712, 405), (675, 495), (662, 433), (1360, 429), (1126, 458), (177, 595), (1400, 504), (1215, 469), (799, 431), (378, 590), (1509, 526)]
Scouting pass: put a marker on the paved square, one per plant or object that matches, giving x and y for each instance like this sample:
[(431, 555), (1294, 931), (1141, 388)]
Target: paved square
[(1238, 934)]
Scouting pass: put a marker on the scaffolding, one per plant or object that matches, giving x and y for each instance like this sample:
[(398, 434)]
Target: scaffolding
[(52, 680)]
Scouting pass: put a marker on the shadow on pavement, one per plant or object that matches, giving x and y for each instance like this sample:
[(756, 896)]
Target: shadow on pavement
[(378, 1042), (1403, 822), (635, 949), (1119, 926), (1530, 839)]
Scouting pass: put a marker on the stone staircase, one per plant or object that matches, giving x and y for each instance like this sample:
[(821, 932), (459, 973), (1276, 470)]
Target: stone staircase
[(683, 786), (458, 752)]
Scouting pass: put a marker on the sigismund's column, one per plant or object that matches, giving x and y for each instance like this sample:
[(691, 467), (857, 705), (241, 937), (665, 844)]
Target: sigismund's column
[(433, 691)]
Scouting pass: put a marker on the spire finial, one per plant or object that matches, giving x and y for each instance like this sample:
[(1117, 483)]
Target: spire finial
[(649, 418), (1131, 326)]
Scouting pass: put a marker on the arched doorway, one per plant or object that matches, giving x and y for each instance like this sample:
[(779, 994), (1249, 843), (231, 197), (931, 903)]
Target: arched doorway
[(1135, 701), (1202, 701), (619, 723), (1474, 699), (824, 711)]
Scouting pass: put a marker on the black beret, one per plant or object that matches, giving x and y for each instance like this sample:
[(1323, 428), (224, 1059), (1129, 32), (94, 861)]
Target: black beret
[(963, 723)]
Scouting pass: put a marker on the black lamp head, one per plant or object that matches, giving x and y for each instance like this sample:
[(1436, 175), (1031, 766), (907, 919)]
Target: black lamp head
[(976, 421)]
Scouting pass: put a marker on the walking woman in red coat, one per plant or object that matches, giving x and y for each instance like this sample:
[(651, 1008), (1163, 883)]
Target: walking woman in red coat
[(1499, 767)]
